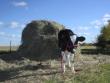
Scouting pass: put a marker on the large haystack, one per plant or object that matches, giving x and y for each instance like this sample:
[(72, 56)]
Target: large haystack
[(39, 40)]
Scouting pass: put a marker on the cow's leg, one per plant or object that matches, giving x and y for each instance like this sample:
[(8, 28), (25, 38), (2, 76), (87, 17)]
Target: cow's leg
[(72, 60), (68, 58), (63, 61)]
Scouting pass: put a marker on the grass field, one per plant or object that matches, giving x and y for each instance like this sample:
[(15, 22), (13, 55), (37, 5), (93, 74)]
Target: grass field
[(7, 48), (90, 69)]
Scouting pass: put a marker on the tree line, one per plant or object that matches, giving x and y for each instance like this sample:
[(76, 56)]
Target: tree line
[(103, 40)]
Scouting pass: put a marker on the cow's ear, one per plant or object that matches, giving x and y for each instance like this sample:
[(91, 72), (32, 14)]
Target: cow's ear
[(81, 38)]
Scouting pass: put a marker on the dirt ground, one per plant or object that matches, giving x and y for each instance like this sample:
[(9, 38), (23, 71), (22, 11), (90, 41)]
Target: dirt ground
[(28, 71)]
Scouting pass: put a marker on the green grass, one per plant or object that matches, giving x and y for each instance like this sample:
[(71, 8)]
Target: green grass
[(97, 74), (101, 74)]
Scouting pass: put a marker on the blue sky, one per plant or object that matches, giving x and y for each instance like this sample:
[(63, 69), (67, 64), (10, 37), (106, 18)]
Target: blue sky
[(84, 17)]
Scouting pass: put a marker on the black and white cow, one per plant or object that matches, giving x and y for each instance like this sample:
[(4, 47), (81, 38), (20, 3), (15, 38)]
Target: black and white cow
[(67, 42)]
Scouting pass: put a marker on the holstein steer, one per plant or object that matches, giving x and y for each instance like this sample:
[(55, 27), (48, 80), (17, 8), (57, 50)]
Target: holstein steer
[(67, 42)]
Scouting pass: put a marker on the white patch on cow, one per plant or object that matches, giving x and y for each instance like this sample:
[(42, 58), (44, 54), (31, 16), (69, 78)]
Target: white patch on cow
[(73, 38)]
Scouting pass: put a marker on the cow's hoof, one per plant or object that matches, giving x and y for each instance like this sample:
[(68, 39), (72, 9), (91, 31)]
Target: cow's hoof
[(73, 72), (62, 71)]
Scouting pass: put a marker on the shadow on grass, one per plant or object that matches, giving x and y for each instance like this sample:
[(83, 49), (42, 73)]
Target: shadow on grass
[(9, 56), (14, 73), (8, 74), (7, 52), (16, 55)]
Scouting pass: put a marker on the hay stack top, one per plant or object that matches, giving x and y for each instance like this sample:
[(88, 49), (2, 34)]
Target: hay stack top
[(39, 28)]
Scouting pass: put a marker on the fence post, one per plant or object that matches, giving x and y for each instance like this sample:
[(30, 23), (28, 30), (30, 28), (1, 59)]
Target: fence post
[(10, 46)]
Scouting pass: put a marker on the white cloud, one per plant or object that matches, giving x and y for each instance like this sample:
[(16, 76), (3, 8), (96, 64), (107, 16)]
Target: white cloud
[(86, 33), (18, 36), (22, 25), (14, 24), (9, 36), (14, 36), (96, 23), (101, 22), (20, 4), (84, 28), (1, 23), (2, 33), (105, 18)]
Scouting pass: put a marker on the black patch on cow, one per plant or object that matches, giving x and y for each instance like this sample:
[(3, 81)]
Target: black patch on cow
[(81, 39), (64, 41)]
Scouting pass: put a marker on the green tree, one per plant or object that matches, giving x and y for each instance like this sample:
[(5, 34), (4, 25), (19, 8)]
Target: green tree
[(103, 40)]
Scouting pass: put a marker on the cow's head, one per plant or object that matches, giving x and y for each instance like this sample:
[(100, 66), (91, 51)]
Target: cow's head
[(75, 39), (80, 39)]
